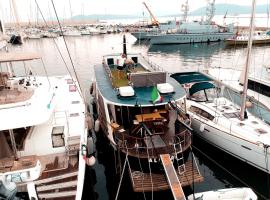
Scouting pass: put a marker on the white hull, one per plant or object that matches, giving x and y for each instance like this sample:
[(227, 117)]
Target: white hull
[(143, 35), (252, 153), (189, 38), (72, 33), (226, 194)]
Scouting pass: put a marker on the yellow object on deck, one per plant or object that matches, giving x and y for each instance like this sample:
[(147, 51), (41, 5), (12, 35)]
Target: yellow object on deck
[(172, 177)]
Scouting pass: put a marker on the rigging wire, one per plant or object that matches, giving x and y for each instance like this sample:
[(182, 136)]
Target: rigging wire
[(58, 49), (122, 175), (69, 55)]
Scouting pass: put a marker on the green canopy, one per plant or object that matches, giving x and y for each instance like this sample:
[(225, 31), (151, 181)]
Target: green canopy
[(200, 86)]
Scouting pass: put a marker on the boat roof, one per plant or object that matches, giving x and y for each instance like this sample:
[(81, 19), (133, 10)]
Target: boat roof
[(18, 56), (190, 77), (142, 94)]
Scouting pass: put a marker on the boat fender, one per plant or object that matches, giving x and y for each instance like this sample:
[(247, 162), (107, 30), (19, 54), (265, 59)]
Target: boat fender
[(89, 122), (97, 125), (89, 159), (202, 126), (90, 146), (249, 104)]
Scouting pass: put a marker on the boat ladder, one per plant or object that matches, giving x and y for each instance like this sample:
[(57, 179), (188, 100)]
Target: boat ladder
[(179, 160)]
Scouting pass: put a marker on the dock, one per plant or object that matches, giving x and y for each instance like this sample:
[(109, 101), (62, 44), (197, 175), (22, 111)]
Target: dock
[(141, 182), (172, 178)]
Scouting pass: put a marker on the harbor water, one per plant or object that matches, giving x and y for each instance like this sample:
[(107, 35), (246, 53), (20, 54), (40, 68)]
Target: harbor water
[(218, 169)]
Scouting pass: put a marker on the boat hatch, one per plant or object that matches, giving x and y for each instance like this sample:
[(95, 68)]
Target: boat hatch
[(231, 115), (261, 131), (126, 91), (165, 88)]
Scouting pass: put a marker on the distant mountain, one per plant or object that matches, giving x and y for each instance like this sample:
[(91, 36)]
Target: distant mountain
[(231, 9), (221, 9)]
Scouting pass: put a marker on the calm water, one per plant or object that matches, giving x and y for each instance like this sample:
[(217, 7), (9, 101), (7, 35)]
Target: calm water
[(88, 51)]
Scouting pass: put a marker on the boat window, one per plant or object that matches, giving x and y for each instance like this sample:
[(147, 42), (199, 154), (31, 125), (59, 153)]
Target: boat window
[(261, 131), (58, 137), (135, 59), (258, 87), (110, 61), (231, 115), (201, 112)]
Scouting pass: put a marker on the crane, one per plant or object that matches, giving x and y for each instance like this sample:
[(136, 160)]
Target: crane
[(153, 18)]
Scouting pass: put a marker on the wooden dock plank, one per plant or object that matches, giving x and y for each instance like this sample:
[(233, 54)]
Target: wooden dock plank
[(56, 186), (57, 194), (55, 178), (142, 181), (172, 177)]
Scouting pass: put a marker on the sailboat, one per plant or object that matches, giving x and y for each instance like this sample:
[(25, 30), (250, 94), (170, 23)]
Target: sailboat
[(43, 134), (17, 36), (222, 123)]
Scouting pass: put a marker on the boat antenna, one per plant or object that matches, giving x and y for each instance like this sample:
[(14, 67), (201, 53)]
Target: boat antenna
[(248, 60), (210, 10), (185, 9), (124, 45)]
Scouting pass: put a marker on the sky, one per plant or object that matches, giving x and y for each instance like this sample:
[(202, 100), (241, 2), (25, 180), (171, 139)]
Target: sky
[(27, 8)]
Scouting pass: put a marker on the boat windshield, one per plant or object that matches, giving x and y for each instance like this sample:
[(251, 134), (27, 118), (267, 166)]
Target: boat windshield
[(205, 95)]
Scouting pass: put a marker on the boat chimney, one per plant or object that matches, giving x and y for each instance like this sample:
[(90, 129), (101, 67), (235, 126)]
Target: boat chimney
[(124, 45)]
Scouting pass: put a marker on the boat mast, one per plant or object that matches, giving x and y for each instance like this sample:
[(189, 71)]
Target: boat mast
[(210, 10), (185, 9), (248, 60), (13, 143), (15, 13)]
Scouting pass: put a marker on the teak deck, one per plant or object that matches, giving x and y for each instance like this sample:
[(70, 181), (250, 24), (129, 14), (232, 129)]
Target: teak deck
[(141, 182)]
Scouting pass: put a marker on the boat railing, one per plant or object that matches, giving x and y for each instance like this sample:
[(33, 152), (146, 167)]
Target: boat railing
[(148, 147), (108, 71), (154, 66)]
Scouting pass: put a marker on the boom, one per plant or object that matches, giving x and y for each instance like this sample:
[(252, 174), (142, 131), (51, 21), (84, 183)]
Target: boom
[(153, 18)]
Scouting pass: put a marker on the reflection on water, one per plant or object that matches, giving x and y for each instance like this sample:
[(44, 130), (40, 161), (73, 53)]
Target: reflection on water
[(88, 51)]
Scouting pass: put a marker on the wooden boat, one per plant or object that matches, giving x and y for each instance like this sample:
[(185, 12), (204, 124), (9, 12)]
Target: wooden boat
[(137, 112), (258, 39)]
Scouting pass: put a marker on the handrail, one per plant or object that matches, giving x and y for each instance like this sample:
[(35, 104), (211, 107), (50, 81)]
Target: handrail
[(182, 139)]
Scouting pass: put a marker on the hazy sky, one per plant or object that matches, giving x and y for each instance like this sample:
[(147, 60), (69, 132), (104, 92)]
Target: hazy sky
[(27, 8)]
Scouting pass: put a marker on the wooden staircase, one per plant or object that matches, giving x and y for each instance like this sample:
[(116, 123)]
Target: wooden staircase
[(62, 186)]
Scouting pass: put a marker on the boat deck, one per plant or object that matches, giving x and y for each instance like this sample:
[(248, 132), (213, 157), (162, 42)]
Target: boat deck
[(10, 164), (142, 94), (13, 96), (141, 182), (162, 140), (120, 77)]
